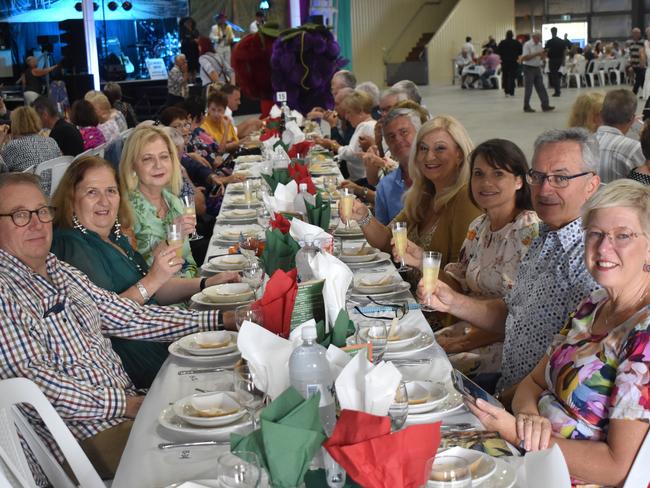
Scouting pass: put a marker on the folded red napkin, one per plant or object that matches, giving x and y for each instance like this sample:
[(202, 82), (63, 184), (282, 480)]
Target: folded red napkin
[(278, 300), (374, 458), (301, 148), (300, 174), (280, 222), (272, 129)]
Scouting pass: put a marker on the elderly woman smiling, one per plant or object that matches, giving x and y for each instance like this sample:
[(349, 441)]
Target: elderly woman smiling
[(150, 179), (590, 394)]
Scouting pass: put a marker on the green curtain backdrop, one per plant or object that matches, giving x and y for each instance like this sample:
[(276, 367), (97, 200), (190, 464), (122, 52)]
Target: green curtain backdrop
[(344, 31)]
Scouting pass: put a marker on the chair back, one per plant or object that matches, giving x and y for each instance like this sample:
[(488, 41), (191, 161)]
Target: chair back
[(56, 167), (15, 391), (94, 151), (639, 475)]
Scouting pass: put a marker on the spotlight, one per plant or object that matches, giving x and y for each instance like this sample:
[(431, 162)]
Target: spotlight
[(78, 7), (95, 6), (112, 6), (127, 6), (264, 5)]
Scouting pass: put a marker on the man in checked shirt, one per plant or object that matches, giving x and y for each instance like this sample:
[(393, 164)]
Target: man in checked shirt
[(54, 324)]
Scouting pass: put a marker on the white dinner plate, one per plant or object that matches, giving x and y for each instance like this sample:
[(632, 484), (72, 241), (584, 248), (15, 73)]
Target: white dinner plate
[(170, 421), (199, 298), (175, 349), (400, 287), (353, 232), (202, 483), (379, 258), (228, 262), (427, 394), (422, 342), (227, 293), (390, 281), (482, 465), (404, 337), (452, 404), (370, 254), (185, 411), (190, 345), (238, 216), (505, 475), (232, 235), (240, 202)]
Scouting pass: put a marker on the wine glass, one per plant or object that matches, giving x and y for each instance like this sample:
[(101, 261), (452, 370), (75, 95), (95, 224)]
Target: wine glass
[(448, 471), (375, 333), (345, 206), (330, 182), (400, 237), (253, 274), (430, 270), (189, 208), (247, 389), (239, 469), (263, 218), (250, 312), (399, 409)]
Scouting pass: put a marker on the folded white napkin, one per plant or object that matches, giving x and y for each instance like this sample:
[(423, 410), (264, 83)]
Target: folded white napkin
[(267, 147), (292, 134), (280, 158), (303, 231), (338, 360), (337, 278), (547, 468), (267, 356), (298, 117), (275, 112), (283, 198), (367, 388)]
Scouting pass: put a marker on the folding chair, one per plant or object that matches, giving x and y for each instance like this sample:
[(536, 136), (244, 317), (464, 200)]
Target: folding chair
[(56, 168)]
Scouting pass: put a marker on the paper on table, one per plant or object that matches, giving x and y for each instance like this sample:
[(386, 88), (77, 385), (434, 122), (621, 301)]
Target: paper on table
[(302, 231), (367, 388), (547, 468), (337, 278), (266, 353), (338, 360), (292, 133)]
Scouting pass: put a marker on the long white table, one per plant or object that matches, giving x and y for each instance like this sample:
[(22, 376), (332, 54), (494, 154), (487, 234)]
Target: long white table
[(143, 464)]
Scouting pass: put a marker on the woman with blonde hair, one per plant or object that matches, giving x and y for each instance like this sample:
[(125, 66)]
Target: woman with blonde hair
[(150, 179), (437, 207), (111, 121), (585, 111)]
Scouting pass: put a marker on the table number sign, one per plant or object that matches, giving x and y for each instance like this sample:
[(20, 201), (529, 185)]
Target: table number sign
[(281, 96)]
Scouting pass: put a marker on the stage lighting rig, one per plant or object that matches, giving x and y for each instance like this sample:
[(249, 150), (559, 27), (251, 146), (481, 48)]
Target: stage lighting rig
[(127, 6), (112, 6), (78, 7)]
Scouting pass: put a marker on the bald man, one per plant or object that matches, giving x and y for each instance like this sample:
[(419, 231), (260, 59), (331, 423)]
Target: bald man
[(177, 81)]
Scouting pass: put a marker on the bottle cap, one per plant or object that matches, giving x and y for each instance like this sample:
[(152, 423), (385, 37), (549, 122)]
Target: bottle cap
[(309, 333), (302, 187)]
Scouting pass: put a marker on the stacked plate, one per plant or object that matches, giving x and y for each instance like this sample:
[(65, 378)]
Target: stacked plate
[(239, 187), (353, 232), (320, 169), (226, 262), (358, 254), (240, 202), (238, 216), (437, 401), (232, 294), (207, 346), (379, 258), (249, 158), (378, 285), (232, 234), (483, 467), (408, 345)]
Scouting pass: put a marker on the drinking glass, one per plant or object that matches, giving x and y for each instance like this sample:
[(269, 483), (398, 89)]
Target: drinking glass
[(253, 274), (448, 471), (239, 469), (249, 247), (345, 206), (175, 236), (430, 270), (263, 218), (399, 409), (375, 333), (189, 208), (252, 313), (249, 395), (400, 238), (249, 192), (330, 182)]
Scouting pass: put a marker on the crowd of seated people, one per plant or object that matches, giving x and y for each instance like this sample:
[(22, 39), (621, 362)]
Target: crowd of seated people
[(544, 271)]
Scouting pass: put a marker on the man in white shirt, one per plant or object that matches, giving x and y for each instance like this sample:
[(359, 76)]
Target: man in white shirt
[(257, 23), (469, 47), (532, 61), (246, 127)]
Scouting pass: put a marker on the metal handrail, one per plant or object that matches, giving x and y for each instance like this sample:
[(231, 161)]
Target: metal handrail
[(389, 51)]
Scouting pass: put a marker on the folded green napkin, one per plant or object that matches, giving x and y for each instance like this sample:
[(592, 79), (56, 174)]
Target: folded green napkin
[(277, 176), (279, 252), (343, 328), (319, 214), (290, 435)]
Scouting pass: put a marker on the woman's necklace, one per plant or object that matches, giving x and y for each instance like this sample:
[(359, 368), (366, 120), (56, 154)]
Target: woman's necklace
[(161, 209)]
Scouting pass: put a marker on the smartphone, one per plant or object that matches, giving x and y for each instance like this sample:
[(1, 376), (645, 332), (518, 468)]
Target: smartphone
[(470, 390)]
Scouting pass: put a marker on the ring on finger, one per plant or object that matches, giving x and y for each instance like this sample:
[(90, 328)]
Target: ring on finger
[(170, 262)]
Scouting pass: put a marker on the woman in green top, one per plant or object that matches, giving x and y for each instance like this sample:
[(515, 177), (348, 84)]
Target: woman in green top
[(89, 221), (150, 177)]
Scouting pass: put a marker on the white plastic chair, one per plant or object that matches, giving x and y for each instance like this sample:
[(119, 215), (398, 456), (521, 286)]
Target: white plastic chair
[(614, 68), (21, 390), (639, 475), (57, 166), (126, 133), (578, 74), (94, 151), (591, 73), (497, 76)]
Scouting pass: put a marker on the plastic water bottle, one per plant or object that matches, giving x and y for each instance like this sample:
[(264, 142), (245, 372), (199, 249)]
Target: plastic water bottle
[(299, 201), (306, 252), (309, 373)]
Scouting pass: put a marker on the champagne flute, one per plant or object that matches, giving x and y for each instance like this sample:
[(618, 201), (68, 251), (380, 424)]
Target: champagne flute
[(375, 333), (251, 313), (175, 236), (399, 409), (430, 270), (400, 237), (345, 206), (247, 389), (239, 469), (249, 192), (253, 274), (330, 183), (189, 208), (448, 471)]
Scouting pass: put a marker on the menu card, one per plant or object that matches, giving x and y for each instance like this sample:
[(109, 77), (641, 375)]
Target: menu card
[(309, 303)]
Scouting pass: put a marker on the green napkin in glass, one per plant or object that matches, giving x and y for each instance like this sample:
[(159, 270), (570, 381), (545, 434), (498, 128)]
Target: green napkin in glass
[(290, 435), (343, 328), (277, 176), (279, 252), (319, 214)]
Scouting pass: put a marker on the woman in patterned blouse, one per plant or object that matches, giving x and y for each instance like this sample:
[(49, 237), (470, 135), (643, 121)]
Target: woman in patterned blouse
[(83, 115), (590, 394)]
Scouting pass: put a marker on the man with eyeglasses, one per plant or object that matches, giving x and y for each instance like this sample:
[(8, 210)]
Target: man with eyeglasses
[(552, 277), (54, 322)]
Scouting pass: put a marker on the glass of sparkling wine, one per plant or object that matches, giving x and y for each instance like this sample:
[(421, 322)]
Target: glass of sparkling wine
[(400, 238), (249, 193), (175, 236), (345, 206), (189, 208), (330, 183), (430, 270)]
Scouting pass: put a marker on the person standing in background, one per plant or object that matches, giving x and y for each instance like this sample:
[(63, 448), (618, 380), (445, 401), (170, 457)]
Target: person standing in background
[(555, 51), (509, 49), (222, 36), (533, 59), (189, 37), (257, 23), (635, 49), (33, 79)]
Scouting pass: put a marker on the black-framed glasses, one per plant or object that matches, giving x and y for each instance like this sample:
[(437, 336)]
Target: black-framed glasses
[(399, 309), (21, 218), (537, 178)]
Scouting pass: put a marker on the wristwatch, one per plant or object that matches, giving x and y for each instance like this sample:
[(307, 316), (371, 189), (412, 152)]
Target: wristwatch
[(365, 220)]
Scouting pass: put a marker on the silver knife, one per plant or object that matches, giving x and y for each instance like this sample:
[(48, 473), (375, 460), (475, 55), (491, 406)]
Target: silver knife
[(170, 445), (199, 371)]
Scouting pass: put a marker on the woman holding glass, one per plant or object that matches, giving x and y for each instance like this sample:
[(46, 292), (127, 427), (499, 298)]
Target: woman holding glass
[(92, 230), (150, 178), (589, 394), (437, 207)]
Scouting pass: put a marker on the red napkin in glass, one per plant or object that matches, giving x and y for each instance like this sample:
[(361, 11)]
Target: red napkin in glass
[(300, 174), (278, 300), (301, 148), (280, 222), (272, 129), (373, 457)]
